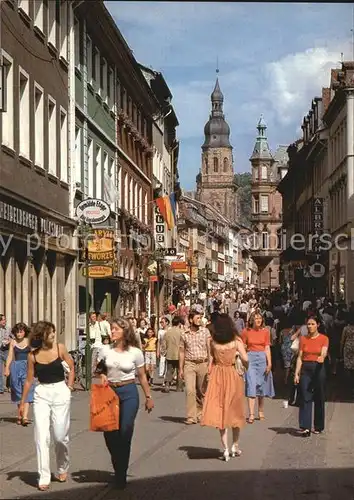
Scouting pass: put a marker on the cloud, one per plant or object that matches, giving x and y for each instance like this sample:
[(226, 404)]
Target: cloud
[(267, 65), (295, 79)]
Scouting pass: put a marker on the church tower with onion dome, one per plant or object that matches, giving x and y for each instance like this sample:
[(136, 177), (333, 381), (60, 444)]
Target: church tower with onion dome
[(215, 182)]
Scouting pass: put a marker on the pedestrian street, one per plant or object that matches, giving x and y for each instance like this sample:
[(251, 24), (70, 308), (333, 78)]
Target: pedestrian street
[(173, 461)]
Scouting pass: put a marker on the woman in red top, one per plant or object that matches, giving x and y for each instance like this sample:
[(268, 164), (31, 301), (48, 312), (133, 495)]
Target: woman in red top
[(259, 379), (310, 375)]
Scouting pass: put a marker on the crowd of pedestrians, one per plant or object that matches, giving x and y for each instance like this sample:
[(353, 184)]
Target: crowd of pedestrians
[(222, 353)]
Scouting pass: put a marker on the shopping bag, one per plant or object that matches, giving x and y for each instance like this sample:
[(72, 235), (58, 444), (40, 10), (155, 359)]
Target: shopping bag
[(104, 409)]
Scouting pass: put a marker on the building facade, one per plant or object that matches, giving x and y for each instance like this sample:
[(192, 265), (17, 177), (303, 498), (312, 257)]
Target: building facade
[(305, 182), (319, 190), (266, 214), (114, 110), (38, 265), (216, 180), (164, 181)]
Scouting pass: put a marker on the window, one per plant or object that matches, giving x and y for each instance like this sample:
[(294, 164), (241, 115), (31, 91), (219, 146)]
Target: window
[(8, 115), (90, 173), (119, 176), (98, 168), (140, 204), (52, 22), (64, 30), (78, 150), (24, 6), (77, 43), (136, 200), (105, 173), (256, 204), (97, 76), (280, 239), (265, 240), (89, 59), (110, 94), (264, 172), (226, 164), (131, 194), (63, 146), (38, 126), (38, 14), (216, 164), (256, 174), (145, 208), (126, 192), (24, 115), (52, 137), (264, 203), (103, 92)]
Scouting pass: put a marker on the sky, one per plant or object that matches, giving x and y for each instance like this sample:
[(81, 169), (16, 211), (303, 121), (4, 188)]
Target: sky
[(273, 59)]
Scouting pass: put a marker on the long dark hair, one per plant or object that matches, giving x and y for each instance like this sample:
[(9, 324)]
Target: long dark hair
[(129, 337), (40, 332), (223, 330)]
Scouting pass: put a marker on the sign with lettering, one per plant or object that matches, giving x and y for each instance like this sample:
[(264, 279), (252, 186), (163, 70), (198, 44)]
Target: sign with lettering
[(29, 222), (160, 229), (97, 272), (317, 224), (93, 211), (101, 246)]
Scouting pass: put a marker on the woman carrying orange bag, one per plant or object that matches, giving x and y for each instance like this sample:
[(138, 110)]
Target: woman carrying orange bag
[(118, 366)]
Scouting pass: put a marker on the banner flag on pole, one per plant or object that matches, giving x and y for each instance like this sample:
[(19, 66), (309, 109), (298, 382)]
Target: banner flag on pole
[(168, 209)]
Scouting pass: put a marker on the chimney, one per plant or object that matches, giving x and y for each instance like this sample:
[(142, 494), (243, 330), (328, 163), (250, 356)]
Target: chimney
[(326, 98)]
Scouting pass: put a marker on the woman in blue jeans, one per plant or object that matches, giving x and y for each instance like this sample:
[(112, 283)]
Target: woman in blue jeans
[(119, 363)]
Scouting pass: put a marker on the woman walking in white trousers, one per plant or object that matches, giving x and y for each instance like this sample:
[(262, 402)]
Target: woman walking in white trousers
[(51, 405)]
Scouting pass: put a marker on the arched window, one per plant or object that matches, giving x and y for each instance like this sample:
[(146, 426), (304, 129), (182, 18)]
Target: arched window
[(206, 166), (226, 164), (216, 164)]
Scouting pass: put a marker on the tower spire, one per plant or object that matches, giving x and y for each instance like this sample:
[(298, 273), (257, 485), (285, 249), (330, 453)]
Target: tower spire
[(217, 65), (261, 148)]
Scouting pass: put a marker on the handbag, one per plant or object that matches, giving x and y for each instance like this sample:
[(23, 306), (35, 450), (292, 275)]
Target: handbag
[(239, 366), (104, 409), (295, 345)]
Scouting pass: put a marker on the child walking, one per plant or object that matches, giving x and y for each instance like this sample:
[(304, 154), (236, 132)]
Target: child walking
[(150, 347)]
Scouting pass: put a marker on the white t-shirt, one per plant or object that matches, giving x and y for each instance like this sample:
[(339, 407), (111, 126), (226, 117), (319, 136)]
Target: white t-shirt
[(121, 366)]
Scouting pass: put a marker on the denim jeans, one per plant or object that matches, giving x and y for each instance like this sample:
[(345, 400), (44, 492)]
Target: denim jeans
[(312, 386), (119, 442), (3, 358)]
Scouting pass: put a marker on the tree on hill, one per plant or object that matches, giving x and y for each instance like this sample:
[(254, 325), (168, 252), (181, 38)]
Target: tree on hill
[(244, 181)]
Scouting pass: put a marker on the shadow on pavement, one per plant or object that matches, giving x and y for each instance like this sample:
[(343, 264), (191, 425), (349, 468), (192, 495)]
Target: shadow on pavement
[(26, 477), (198, 453), (176, 420), (309, 484), (286, 430), (92, 476)]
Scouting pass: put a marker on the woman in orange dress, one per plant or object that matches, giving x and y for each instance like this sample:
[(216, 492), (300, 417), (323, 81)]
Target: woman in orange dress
[(224, 400)]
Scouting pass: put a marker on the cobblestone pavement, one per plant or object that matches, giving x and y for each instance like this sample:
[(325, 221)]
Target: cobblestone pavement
[(173, 461)]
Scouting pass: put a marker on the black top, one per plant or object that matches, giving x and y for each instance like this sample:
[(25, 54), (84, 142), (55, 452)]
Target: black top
[(49, 373)]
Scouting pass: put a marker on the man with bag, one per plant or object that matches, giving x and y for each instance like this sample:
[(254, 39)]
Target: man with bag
[(194, 358)]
